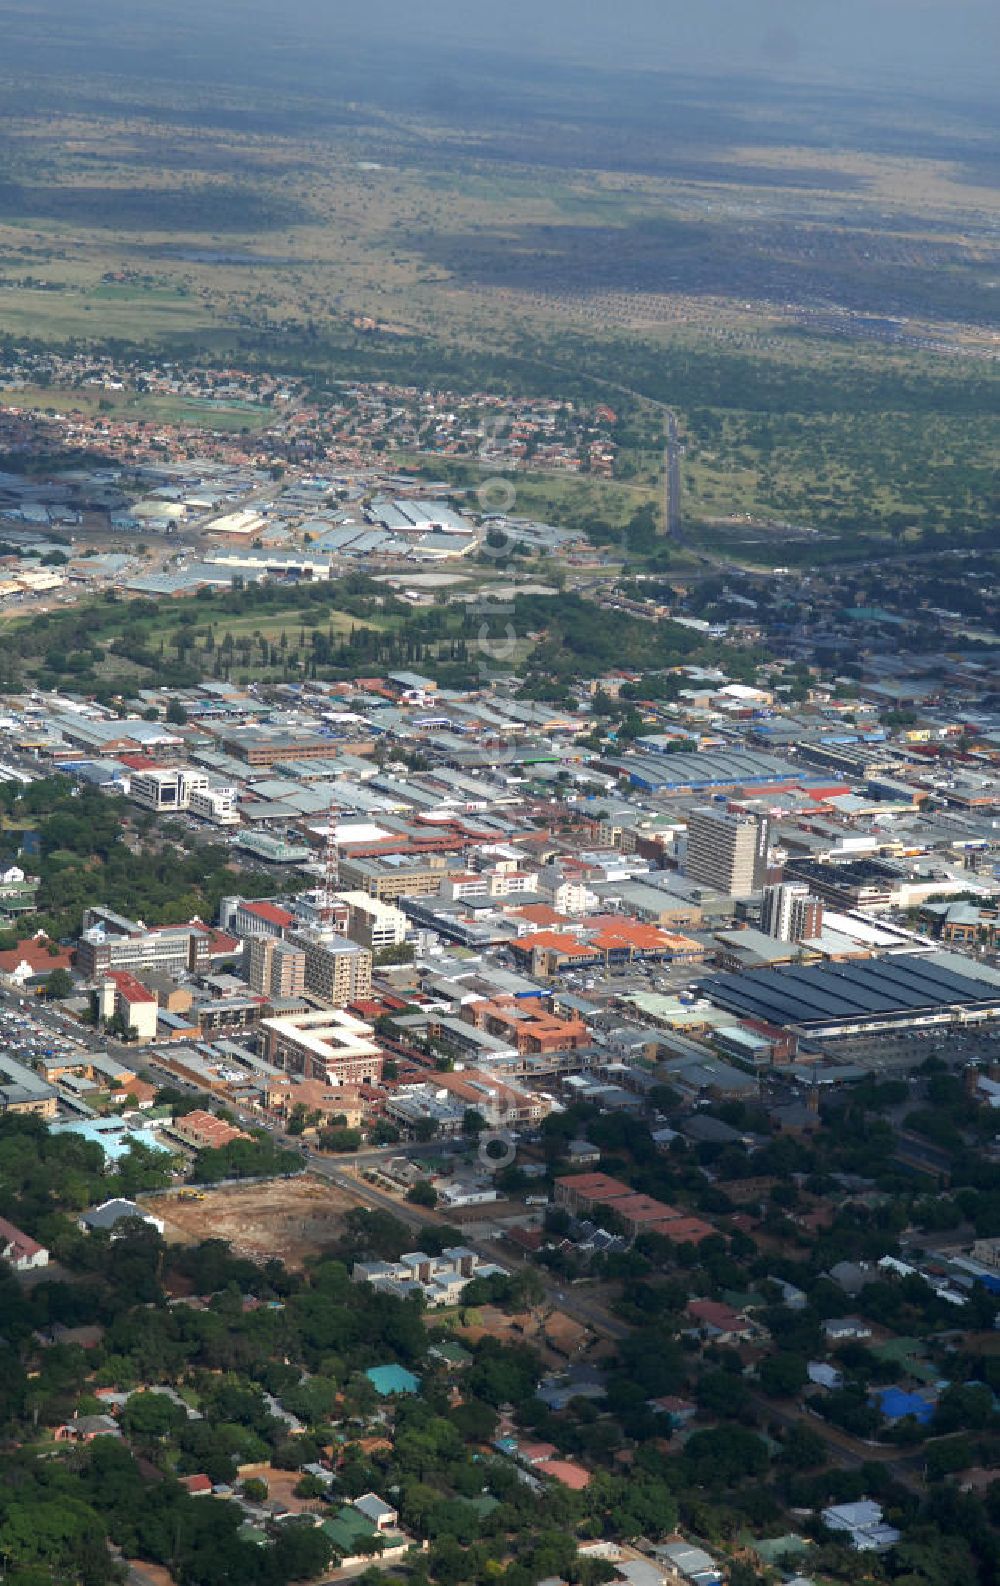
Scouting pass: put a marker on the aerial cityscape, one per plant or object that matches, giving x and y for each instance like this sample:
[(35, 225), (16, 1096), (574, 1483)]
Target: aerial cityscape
[(499, 794)]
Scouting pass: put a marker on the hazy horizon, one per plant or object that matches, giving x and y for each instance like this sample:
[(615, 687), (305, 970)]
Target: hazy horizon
[(945, 46)]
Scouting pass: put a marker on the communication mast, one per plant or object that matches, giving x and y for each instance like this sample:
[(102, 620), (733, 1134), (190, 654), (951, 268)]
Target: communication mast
[(331, 861)]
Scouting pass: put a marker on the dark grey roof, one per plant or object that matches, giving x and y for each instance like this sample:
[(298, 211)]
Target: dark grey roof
[(804, 994), (111, 1213)]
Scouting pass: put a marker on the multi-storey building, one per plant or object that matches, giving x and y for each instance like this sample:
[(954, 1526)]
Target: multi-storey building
[(123, 994), (249, 917), (790, 912), (109, 942), (389, 876), (331, 1045), (500, 1102), (275, 968), (728, 851), (167, 789), (336, 969), (373, 924), (529, 1027), (503, 880), (857, 884), (259, 747), (215, 804), (567, 893)]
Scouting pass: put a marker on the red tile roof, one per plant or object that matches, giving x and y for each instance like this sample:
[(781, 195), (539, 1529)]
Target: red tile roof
[(644, 1209), (138, 762), (595, 1186), (130, 989), (15, 1245), (685, 1230), (540, 914), (34, 951), (196, 1484), (205, 1131), (220, 943), (269, 912), (712, 1313), (559, 942), (565, 1472)]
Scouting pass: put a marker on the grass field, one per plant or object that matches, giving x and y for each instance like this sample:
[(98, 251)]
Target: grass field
[(80, 311), (92, 400), (257, 626)]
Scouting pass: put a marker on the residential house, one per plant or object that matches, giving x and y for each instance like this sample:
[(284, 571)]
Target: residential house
[(19, 1250)]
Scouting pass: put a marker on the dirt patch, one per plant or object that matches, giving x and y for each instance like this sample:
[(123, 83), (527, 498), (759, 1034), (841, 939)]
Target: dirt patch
[(281, 1486), (470, 1325), (288, 1218), (143, 1574)]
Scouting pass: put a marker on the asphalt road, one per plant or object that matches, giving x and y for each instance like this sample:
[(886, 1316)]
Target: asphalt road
[(573, 1301), (848, 1452), (672, 480)]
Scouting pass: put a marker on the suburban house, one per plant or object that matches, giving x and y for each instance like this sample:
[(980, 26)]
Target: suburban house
[(111, 1213), (19, 1250), (84, 1428), (720, 1323)]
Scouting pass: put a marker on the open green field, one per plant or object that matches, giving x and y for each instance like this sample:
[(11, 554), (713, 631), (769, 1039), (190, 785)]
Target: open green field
[(92, 400), (259, 626), (93, 312)]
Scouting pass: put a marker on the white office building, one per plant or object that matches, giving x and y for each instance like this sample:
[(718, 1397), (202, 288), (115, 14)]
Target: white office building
[(164, 790)]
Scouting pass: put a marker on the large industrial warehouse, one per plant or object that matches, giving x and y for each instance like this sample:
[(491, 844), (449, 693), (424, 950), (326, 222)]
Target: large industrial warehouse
[(907, 991)]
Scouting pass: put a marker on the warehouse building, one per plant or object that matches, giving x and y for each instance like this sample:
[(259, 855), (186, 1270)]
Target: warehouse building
[(905, 991)]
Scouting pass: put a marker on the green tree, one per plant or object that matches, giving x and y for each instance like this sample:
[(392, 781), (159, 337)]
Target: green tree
[(151, 1417), (783, 1375), (59, 984)]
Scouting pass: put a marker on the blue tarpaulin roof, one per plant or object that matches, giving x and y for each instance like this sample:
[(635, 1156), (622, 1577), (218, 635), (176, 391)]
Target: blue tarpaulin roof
[(895, 1404)]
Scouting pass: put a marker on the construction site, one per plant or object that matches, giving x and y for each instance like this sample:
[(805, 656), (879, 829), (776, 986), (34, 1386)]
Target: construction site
[(285, 1219)]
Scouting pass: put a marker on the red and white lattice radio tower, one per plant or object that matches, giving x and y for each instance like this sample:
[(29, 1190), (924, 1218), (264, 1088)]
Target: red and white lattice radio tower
[(331, 860)]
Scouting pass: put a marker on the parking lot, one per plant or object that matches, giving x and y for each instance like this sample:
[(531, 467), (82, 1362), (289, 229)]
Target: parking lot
[(956, 1045), (26, 1037)]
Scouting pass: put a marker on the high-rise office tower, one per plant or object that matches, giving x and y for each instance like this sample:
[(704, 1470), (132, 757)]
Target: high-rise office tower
[(728, 851)]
